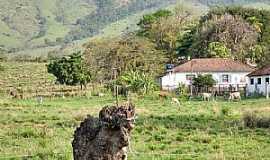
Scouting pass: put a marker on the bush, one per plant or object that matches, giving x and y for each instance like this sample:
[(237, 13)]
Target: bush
[(3, 57), (182, 90), (2, 68), (254, 120), (204, 81), (225, 111), (137, 82)]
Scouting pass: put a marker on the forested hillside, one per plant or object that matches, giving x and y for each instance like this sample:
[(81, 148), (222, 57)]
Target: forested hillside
[(31, 24), (39, 23)]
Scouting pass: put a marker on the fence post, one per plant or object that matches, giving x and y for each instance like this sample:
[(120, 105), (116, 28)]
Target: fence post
[(245, 91), (267, 90)]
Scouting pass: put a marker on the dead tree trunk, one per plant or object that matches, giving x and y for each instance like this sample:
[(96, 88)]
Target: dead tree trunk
[(106, 137)]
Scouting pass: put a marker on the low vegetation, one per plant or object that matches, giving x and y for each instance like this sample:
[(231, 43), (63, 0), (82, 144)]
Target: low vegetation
[(32, 79), (257, 119), (195, 130), (137, 82)]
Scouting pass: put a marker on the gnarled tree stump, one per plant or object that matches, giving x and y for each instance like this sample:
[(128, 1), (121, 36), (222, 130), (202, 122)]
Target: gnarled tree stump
[(106, 137)]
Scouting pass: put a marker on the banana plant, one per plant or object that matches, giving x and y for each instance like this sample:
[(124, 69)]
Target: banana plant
[(137, 81)]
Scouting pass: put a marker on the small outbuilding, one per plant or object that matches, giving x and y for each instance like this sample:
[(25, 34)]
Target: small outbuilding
[(259, 81)]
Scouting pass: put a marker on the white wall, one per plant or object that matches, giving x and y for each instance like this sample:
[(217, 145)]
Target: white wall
[(256, 88), (172, 80)]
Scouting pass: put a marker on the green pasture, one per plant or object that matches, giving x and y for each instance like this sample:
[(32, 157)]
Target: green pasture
[(194, 130)]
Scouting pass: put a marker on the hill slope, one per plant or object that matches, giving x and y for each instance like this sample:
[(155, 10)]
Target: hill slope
[(31, 24), (38, 23)]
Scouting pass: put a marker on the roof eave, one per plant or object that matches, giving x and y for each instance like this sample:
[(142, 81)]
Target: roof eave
[(257, 75), (209, 71)]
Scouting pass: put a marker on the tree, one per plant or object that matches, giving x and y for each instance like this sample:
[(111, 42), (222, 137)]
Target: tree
[(146, 23), (245, 32), (218, 50), (204, 81), (165, 28), (256, 23), (258, 19), (70, 70), (257, 53), (235, 34), (124, 54)]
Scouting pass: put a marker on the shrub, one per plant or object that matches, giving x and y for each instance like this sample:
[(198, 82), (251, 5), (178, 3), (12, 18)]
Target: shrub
[(204, 81), (225, 111), (254, 120), (2, 68), (182, 90), (3, 57), (137, 82)]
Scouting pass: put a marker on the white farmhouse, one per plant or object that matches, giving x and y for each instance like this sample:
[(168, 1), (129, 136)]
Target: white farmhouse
[(226, 72), (259, 81)]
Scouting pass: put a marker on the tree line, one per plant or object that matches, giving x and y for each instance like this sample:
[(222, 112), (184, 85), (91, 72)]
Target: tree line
[(136, 59)]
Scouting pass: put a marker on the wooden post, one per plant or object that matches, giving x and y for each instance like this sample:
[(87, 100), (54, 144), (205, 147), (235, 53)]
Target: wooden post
[(219, 89), (191, 91), (267, 90), (115, 86), (245, 91), (117, 102)]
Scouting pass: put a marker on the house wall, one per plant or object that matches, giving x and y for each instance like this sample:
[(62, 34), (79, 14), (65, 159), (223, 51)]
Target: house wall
[(258, 88), (172, 80)]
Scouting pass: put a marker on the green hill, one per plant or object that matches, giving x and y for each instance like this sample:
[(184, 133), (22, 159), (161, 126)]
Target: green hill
[(31, 25), (40, 23)]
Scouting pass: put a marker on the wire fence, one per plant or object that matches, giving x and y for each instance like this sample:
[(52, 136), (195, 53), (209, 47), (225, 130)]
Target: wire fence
[(132, 156)]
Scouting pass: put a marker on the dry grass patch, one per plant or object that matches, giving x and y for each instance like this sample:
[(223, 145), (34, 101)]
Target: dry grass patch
[(257, 118)]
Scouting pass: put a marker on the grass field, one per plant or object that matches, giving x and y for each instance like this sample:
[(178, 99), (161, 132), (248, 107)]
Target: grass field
[(26, 76), (29, 79), (196, 130)]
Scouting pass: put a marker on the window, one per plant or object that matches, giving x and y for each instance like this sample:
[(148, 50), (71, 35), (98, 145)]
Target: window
[(259, 80), (267, 80), (190, 77), (252, 81), (225, 78)]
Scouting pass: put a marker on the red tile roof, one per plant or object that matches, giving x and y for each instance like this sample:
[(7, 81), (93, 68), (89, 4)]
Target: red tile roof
[(213, 65), (261, 72)]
